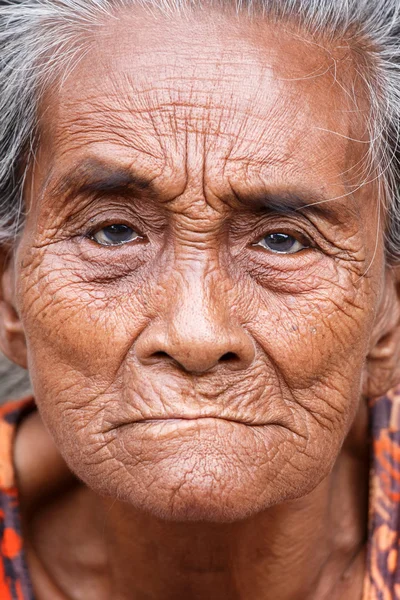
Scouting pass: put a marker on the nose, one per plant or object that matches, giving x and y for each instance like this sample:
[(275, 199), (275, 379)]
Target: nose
[(197, 333)]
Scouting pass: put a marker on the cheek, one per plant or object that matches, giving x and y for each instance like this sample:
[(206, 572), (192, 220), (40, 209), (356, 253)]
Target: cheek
[(318, 343), (321, 335), (78, 335), (86, 326)]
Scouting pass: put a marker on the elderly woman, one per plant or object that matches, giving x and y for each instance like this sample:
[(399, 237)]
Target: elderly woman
[(200, 234)]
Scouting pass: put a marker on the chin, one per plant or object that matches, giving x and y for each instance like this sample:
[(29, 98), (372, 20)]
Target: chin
[(205, 501), (227, 498)]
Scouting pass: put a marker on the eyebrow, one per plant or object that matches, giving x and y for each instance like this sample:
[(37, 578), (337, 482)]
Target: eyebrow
[(289, 203), (96, 176)]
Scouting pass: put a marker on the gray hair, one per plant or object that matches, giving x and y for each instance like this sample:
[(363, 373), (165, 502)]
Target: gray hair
[(42, 39)]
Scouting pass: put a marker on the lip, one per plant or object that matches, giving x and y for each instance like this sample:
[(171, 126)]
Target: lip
[(177, 418), (171, 423), (168, 424)]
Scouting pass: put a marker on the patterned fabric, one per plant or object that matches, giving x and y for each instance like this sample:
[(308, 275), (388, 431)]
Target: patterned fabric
[(383, 568), (14, 578), (382, 578)]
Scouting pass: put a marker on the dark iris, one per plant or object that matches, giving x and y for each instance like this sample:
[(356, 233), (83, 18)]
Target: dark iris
[(112, 235), (280, 242), (118, 233)]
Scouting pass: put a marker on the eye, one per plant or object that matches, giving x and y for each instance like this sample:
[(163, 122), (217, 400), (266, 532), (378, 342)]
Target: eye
[(115, 235), (281, 243)]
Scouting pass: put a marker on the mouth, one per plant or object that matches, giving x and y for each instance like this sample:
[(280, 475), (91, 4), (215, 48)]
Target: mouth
[(177, 419), (159, 428), (200, 417)]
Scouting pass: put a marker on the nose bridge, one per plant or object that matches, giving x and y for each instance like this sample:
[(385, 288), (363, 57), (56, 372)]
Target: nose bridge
[(198, 309), (194, 326)]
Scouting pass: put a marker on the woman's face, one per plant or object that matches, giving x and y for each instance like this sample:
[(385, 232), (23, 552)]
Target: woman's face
[(201, 271)]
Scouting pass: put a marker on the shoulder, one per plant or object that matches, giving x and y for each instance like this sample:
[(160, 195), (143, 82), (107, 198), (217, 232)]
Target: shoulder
[(40, 469)]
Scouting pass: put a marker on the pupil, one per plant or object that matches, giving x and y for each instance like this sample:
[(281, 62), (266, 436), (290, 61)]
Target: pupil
[(280, 242)]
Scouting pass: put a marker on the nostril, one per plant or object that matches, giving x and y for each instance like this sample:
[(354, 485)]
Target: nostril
[(160, 354), (229, 357)]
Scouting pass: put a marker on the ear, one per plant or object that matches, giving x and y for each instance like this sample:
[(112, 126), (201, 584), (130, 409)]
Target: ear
[(12, 335), (383, 360)]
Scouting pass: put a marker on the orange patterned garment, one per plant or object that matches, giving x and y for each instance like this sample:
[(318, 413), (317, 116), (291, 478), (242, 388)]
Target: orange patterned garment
[(14, 577), (382, 579)]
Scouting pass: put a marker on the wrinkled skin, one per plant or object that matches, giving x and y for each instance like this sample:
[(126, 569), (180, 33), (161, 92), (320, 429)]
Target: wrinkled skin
[(192, 372)]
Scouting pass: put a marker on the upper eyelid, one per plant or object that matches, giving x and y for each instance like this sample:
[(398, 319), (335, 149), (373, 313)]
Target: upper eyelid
[(295, 221), (108, 222), (86, 224), (289, 228)]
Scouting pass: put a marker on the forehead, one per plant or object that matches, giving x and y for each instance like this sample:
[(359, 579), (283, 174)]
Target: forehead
[(226, 96)]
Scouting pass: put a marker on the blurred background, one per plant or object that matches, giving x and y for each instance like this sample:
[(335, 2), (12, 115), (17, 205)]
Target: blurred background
[(14, 381)]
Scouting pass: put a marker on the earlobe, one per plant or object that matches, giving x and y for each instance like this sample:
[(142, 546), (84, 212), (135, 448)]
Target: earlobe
[(383, 360), (12, 335)]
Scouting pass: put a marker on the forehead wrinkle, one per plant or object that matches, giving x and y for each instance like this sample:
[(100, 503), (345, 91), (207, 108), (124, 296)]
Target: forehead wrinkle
[(184, 109), (106, 125), (273, 159), (117, 107)]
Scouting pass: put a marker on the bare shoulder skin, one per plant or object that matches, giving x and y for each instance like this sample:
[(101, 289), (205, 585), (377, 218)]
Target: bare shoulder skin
[(202, 297)]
